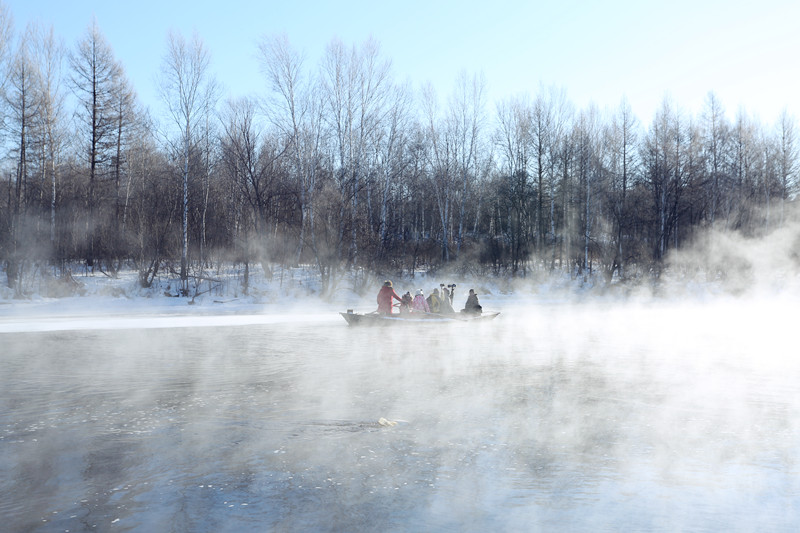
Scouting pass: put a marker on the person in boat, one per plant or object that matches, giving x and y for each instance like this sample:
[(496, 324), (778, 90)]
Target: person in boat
[(434, 303), (420, 305), (446, 302), (405, 303), (472, 306), (385, 296)]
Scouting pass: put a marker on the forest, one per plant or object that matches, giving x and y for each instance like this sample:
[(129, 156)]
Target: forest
[(340, 167)]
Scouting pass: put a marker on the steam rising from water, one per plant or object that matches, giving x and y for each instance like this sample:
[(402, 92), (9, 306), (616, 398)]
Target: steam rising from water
[(591, 417), (763, 266)]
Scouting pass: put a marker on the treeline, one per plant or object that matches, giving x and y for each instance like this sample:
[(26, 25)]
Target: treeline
[(340, 166)]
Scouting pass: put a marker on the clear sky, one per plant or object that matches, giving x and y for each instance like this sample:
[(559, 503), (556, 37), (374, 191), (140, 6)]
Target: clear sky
[(598, 51)]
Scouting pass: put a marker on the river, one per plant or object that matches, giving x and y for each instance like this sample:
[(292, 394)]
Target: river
[(663, 416)]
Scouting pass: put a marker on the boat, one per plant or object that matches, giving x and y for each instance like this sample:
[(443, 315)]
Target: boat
[(374, 318)]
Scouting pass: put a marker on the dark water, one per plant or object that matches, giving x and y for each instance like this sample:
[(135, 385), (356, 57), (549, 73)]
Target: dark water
[(588, 418)]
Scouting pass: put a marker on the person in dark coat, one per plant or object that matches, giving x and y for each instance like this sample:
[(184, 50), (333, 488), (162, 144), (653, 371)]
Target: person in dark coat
[(472, 306), (385, 296), (405, 303)]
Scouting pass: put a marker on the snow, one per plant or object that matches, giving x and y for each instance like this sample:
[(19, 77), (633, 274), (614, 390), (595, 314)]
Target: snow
[(99, 301), (103, 302)]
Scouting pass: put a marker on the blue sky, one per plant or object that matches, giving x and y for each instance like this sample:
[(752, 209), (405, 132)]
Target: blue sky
[(746, 52)]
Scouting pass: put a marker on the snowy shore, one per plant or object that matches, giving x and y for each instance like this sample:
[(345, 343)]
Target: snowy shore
[(99, 301)]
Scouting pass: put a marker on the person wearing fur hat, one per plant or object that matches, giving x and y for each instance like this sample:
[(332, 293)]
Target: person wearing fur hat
[(420, 304)]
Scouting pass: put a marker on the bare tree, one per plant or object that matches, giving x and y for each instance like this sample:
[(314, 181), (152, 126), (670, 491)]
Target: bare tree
[(295, 110), (589, 174), (94, 75), (467, 119), (512, 136), (152, 207), (664, 157), (189, 91), (787, 158), (49, 51), (23, 100), (441, 169), (209, 149), (6, 43), (252, 162), (514, 142), (356, 85), (7, 222), (392, 144), (541, 137), (622, 138), (717, 134), (559, 157), (124, 116), (744, 157)]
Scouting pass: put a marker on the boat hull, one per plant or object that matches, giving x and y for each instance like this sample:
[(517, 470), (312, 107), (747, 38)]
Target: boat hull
[(375, 319)]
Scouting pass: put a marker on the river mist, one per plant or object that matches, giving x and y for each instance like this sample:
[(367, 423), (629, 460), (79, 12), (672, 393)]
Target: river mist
[(597, 416)]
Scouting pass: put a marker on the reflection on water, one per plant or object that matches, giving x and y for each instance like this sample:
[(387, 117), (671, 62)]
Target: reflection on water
[(569, 418)]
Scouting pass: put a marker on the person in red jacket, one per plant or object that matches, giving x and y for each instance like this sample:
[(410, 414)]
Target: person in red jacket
[(385, 296)]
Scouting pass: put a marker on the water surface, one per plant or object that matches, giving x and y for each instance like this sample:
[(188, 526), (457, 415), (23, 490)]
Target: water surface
[(606, 417)]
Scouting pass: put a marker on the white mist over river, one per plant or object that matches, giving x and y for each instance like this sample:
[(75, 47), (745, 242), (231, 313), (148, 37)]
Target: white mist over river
[(660, 416)]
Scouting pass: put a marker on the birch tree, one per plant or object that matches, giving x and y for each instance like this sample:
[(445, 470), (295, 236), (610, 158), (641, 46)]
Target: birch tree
[(392, 143), (123, 115), (441, 169), (49, 52), (356, 85), (467, 119), (294, 107), (189, 91), (787, 159)]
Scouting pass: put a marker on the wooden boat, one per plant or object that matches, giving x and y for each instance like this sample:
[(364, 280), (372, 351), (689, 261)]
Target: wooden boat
[(363, 319)]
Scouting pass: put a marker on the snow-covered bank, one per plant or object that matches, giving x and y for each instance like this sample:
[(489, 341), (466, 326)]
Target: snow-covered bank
[(98, 301)]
